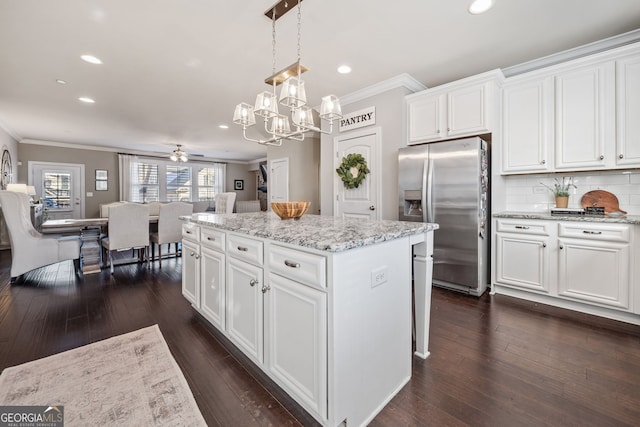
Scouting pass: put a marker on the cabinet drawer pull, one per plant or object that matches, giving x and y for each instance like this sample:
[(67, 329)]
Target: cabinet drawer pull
[(242, 249), (522, 227), (188, 232), (291, 264), (211, 238), (253, 282), (591, 232)]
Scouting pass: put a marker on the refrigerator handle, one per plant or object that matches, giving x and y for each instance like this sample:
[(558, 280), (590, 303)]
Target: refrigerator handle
[(426, 190)]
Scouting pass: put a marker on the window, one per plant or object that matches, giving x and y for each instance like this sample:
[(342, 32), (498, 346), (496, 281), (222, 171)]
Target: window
[(57, 189), (151, 180)]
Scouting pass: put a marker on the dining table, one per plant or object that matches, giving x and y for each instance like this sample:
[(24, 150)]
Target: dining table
[(89, 230)]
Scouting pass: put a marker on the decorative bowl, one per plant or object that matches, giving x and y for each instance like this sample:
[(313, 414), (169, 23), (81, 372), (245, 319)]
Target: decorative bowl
[(289, 210)]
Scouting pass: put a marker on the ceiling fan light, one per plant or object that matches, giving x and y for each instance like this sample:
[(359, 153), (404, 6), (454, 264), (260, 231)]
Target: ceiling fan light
[(243, 115), (293, 93), (266, 105), (330, 108), (173, 157)]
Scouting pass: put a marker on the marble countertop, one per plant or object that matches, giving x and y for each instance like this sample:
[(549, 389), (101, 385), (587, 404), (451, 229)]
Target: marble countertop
[(325, 233), (625, 219)]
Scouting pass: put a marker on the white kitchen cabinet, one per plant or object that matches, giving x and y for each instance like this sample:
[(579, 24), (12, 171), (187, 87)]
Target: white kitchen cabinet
[(462, 108), (585, 117), (628, 111), (244, 307), (523, 255), (594, 263), (191, 271), (527, 125), (296, 341), (212, 286)]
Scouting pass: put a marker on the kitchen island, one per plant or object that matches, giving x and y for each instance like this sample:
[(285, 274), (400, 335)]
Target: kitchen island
[(321, 304)]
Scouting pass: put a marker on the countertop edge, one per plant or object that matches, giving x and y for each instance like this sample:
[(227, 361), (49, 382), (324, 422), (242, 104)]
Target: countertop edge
[(626, 219)]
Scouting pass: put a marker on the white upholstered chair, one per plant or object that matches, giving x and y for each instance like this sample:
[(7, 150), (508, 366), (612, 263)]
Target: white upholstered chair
[(169, 226), (154, 208), (247, 206), (30, 249), (104, 208), (128, 229), (225, 202)]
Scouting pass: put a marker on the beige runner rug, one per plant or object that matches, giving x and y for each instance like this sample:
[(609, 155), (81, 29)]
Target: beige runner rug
[(131, 380)]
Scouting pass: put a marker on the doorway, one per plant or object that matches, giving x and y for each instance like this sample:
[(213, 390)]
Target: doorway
[(60, 187), (361, 202), (279, 180)]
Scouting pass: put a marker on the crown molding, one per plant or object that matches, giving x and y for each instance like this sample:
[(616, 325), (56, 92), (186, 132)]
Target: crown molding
[(9, 132), (574, 53), (401, 80)]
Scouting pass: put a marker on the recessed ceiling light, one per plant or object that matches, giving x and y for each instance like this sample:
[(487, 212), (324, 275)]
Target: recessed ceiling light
[(344, 69), (480, 6), (86, 100), (223, 127), (60, 81), (91, 59)]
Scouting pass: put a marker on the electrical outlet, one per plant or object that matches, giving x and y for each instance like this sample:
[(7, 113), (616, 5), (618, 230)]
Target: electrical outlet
[(379, 276)]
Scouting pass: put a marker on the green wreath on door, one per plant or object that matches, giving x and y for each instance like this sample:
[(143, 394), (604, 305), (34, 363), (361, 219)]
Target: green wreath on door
[(353, 170)]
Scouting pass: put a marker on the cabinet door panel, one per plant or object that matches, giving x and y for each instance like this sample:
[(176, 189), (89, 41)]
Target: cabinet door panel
[(584, 107), (244, 307), (523, 262), (628, 111), (467, 111), (212, 286), (527, 134), (425, 118), (296, 339), (191, 272), (594, 271)]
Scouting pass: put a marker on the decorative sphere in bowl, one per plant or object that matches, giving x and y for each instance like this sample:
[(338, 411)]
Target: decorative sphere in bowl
[(289, 210)]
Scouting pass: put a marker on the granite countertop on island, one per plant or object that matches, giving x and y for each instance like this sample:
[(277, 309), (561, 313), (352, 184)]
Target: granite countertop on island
[(325, 233), (623, 219)]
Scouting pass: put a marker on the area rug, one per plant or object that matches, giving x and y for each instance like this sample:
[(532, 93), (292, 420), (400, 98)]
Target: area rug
[(131, 380)]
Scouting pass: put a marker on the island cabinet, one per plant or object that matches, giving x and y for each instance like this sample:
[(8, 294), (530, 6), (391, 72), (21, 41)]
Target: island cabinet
[(329, 321), (462, 108), (581, 265)]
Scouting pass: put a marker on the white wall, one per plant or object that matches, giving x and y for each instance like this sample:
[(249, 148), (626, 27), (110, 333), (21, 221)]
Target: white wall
[(526, 193)]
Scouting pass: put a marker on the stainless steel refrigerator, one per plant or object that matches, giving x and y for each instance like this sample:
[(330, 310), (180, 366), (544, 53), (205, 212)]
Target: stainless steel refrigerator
[(448, 183)]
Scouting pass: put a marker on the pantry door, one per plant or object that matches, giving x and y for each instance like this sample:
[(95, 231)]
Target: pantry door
[(361, 202)]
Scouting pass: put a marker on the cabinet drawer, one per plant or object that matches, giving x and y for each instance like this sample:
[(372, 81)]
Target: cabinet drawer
[(540, 228), (245, 248), (608, 232), (302, 267), (191, 232), (213, 239)]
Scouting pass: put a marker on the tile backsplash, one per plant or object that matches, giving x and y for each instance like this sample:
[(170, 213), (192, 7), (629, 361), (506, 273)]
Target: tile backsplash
[(527, 193)]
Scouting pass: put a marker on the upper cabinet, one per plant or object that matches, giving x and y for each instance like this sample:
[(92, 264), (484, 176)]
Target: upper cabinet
[(578, 115), (462, 108)]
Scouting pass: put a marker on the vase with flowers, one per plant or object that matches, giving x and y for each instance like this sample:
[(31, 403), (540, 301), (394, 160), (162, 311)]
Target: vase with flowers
[(561, 190)]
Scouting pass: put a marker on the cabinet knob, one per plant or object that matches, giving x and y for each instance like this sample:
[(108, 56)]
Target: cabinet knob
[(265, 289), (438, 131), (372, 208), (544, 245), (253, 282), (561, 247), (601, 157), (621, 156), (192, 253), (197, 256), (544, 162), (448, 129)]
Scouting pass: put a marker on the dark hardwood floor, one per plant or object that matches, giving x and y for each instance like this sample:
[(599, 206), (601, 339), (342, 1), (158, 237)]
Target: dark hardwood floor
[(495, 361)]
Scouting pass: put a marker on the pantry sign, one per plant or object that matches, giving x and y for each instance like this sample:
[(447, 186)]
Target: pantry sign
[(358, 119)]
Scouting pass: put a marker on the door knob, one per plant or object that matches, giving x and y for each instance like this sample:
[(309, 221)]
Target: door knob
[(372, 208)]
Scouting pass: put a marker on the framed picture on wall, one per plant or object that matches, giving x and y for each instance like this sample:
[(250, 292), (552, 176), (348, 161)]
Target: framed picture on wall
[(102, 176), (238, 184)]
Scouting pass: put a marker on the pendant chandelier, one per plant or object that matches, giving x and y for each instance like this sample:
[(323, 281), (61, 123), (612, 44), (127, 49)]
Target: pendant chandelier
[(178, 155), (292, 95)]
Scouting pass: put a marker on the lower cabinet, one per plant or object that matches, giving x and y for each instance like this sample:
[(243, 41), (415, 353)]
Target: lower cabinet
[(585, 262), (212, 286), (191, 271), (244, 307), (296, 340)]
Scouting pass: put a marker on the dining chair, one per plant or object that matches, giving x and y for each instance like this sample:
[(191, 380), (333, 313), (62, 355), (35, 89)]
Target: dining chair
[(169, 226), (104, 208), (247, 206), (225, 202), (128, 228), (29, 248)]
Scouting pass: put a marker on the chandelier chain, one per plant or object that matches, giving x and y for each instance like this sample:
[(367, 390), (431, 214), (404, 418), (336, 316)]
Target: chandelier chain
[(273, 41), (299, 32)]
